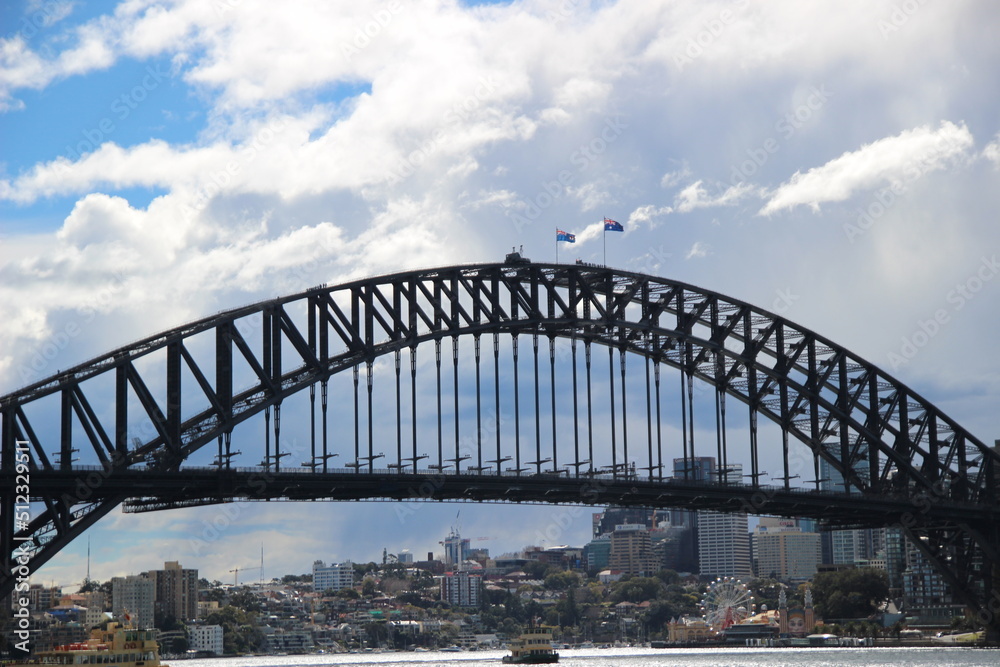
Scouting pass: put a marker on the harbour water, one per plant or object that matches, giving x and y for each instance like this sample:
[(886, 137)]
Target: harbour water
[(643, 657)]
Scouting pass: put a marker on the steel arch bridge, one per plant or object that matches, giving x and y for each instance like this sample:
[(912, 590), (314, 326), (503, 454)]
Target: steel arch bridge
[(137, 426)]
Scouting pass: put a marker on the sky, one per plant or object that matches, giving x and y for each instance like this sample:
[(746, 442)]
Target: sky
[(837, 163)]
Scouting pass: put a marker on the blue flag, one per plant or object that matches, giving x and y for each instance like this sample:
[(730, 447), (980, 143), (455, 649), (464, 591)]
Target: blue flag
[(612, 226), (565, 236)]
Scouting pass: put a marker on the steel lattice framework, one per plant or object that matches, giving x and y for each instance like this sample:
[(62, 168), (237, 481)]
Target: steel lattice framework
[(902, 462)]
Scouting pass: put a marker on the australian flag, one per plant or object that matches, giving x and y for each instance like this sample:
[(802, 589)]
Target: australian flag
[(565, 236), (612, 226)]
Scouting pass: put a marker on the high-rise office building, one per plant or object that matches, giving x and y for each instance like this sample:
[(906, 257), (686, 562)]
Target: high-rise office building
[(43, 598), (781, 549), (456, 550), (723, 538), (631, 551), (598, 553), (925, 592), (175, 593), (895, 559), (853, 546), (605, 522), (134, 595), (695, 469)]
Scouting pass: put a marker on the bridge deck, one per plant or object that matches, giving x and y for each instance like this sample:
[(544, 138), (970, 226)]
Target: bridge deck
[(148, 490)]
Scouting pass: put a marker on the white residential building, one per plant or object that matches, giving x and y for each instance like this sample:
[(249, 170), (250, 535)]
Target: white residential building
[(205, 638), (94, 601), (332, 577), (461, 588)]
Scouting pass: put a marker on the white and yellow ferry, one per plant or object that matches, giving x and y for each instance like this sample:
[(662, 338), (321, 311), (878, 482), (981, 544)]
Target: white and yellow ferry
[(532, 648), (117, 645)]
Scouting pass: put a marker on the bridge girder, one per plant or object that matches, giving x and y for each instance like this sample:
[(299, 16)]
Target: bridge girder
[(881, 437)]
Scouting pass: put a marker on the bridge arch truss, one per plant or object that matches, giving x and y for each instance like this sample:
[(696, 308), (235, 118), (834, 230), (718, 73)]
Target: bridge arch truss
[(131, 422)]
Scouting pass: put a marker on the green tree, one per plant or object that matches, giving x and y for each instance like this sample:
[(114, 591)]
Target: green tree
[(421, 580), (90, 585), (532, 611), (637, 589), (766, 591), (510, 627), (855, 593), (514, 608), (246, 600), (240, 633), (377, 633), (538, 570), (210, 594), (412, 598), (668, 577), (569, 614), (658, 614), (561, 580)]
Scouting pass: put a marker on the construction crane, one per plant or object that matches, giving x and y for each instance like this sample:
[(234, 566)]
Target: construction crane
[(236, 573)]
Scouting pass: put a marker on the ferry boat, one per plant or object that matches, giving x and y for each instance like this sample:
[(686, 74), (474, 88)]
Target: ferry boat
[(534, 647), (117, 645)]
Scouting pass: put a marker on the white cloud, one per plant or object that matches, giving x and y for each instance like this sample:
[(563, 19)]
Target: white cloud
[(698, 250), (591, 232), (673, 178), (648, 215), (590, 195), (893, 160), (992, 152), (695, 196)]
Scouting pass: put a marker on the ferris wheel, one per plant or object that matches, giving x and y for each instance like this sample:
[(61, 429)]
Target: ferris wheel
[(727, 602)]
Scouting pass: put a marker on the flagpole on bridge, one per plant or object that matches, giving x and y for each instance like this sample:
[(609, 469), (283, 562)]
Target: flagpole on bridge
[(604, 238), (557, 245)]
